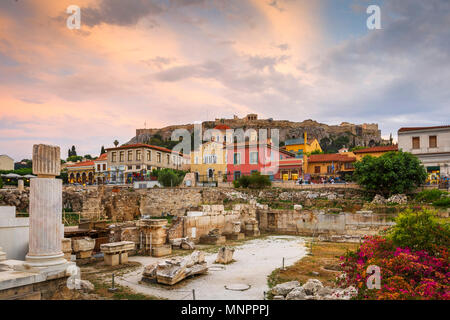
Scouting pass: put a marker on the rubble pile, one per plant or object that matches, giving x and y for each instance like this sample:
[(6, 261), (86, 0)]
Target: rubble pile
[(313, 289)]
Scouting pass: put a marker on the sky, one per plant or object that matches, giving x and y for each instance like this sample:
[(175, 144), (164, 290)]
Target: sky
[(139, 63)]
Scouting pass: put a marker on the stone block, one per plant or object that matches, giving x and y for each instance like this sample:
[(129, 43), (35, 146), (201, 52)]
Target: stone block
[(66, 245), (46, 160), (225, 255), (112, 259), (123, 257), (84, 254), (162, 251), (84, 244), (235, 236)]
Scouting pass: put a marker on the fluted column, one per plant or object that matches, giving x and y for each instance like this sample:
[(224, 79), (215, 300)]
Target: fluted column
[(45, 209)]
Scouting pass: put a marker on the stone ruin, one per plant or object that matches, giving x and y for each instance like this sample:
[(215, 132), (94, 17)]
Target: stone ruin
[(251, 228), (213, 237), (116, 253), (172, 271), (313, 289), (225, 255)]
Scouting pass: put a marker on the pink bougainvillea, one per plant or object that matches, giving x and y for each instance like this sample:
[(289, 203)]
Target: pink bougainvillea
[(405, 274)]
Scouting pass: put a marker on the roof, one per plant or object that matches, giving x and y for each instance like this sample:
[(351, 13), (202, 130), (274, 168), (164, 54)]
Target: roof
[(222, 127), (330, 158), (290, 162), (291, 142), (82, 164), (378, 149), (102, 157), (141, 145), (405, 129)]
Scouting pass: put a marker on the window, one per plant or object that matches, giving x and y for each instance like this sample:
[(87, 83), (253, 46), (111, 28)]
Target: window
[(237, 158), (330, 169), (349, 165), (104, 167), (237, 175), (113, 157), (317, 169), (416, 143), (122, 156), (138, 155), (138, 167), (149, 155), (98, 167), (168, 158), (433, 142), (130, 155), (254, 157), (196, 160), (130, 167), (158, 157)]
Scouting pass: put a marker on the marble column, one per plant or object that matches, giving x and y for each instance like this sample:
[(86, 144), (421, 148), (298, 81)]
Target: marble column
[(20, 185), (2, 255), (45, 209)]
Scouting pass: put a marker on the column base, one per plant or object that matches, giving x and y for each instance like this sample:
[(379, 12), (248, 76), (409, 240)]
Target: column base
[(45, 261)]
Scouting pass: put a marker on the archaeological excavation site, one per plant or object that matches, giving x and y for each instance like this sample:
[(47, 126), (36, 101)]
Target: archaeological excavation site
[(181, 243)]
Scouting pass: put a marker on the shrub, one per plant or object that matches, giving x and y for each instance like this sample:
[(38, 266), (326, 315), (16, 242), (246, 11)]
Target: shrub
[(405, 274), (419, 230), (430, 195), (170, 178), (444, 203), (1, 183), (255, 181)]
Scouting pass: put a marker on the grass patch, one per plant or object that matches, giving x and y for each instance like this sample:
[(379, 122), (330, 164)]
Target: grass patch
[(325, 254)]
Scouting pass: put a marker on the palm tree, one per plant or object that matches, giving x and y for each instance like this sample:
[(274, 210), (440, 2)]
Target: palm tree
[(116, 143)]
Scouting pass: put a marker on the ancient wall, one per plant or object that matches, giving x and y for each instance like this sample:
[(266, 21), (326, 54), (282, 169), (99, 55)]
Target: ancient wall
[(14, 233), (317, 222)]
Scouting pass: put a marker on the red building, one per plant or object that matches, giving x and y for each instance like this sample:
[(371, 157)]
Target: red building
[(246, 158)]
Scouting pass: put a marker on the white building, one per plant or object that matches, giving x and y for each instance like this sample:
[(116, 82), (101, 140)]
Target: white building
[(6, 162), (431, 145)]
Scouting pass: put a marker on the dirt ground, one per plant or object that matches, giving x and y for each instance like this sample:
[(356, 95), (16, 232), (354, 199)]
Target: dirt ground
[(322, 265), (254, 262)]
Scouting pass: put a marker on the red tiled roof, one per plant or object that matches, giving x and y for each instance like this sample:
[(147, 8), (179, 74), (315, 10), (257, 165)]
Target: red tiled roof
[(82, 164), (102, 157), (222, 127), (330, 158), (290, 162), (378, 149), (141, 145), (405, 129)]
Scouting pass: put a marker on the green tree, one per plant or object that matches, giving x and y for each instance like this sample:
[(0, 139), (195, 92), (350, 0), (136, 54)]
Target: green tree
[(170, 178), (74, 158), (73, 152), (1, 183), (102, 151), (255, 181), (391, 173)]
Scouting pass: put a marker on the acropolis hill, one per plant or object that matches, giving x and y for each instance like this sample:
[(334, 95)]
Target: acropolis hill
[(359, 134)]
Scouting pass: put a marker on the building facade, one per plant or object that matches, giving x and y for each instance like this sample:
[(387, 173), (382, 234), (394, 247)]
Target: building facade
[(432, 146), (209, 163), (373, 151), (135, 161), (101, 169), (317, 166), (6, 162), (244, 158), (81, 172), (302, 146)]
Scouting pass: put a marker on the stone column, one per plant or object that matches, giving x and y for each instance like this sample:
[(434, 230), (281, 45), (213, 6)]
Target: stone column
[(20, 185), (2, 255), (45, 209)]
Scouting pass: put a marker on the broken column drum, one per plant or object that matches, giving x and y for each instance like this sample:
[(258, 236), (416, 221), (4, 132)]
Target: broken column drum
[(45, 209)]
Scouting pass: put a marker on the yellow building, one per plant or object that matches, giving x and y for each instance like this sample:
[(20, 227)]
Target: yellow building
[(81, 172), (327, 165), (374, 151), (209, 162), (302, 146)]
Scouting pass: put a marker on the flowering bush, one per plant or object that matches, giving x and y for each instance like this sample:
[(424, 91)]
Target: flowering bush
[(405, 274)]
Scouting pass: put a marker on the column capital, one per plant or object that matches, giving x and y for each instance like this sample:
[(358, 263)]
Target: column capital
[(46, 161)]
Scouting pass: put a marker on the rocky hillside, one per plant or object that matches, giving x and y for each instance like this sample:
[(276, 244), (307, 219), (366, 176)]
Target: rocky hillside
[(351, 134)]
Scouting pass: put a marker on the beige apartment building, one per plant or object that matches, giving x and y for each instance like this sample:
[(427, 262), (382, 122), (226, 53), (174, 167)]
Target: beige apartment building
[(138, 160), (6, 162), (432, 146)]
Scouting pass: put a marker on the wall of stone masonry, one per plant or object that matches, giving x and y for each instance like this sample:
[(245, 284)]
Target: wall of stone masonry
[(124, 203), (317, 222)]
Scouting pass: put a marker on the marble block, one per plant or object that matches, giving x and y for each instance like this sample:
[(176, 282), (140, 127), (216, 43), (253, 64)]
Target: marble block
[(46, 160)]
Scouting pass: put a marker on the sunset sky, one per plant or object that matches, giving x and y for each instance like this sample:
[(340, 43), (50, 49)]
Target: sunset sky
[(179, 61)]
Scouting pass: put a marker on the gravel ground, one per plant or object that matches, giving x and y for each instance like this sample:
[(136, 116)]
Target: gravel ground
[(255, 260)]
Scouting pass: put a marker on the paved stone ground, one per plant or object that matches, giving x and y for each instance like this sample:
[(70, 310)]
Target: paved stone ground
[(255, 260)]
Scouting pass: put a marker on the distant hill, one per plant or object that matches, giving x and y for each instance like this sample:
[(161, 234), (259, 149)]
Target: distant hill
[(330, 137)]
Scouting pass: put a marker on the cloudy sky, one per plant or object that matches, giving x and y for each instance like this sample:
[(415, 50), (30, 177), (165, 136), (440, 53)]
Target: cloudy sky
[(162, 62)]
